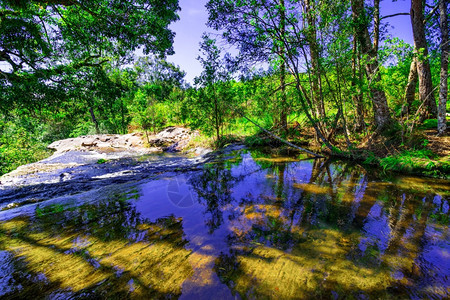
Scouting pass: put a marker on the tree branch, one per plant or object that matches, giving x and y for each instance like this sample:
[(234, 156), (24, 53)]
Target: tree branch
[(394, 15), (428, 17)]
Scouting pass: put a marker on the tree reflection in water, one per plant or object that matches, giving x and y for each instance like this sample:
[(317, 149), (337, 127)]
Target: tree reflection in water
[(262, 226), (98, 250), (341, 232)]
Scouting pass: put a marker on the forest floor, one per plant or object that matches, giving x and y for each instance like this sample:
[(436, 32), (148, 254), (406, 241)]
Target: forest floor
[(420, 153)]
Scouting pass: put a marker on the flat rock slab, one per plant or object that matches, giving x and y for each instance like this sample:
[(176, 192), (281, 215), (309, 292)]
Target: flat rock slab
[(171, 139), (107, 142), (90, 162)]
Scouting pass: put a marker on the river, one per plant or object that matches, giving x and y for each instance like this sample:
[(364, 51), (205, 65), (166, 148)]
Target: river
[(247, 224)]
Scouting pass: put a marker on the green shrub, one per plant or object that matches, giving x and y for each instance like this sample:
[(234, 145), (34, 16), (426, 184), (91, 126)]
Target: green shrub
[(429, 124), (19, 145), (371, 158), (254, 141), (416, 161)]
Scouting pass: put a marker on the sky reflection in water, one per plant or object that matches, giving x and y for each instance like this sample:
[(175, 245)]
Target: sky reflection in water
[(249, 225)]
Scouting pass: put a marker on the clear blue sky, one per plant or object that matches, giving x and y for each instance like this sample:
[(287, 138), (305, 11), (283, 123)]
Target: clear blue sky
[(193, 16)]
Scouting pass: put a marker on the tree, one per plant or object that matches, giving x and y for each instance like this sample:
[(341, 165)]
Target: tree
[(361, 22), (443, 89), (254, 27), (157, 71), (357, 78), (44, 42), (215, 81), (423, 66), (157, 80), (283, 103), (410, 91), (311, 12)]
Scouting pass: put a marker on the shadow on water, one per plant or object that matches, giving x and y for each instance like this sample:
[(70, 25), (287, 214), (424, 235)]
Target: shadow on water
[(250, 225), (104, 249)]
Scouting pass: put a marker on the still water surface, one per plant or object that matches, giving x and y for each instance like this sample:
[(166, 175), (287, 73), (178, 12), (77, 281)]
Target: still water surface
[(249, 225)]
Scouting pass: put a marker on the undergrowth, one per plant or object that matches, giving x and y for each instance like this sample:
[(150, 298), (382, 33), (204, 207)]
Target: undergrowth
[(422, 161)]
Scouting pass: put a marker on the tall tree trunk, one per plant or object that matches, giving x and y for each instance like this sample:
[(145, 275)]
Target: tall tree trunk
[(94, 119), (216, 118), (376, 24), (443, 88), (357, 96), (283, 104), (344, 122), (382, 115), (410, 91), (423, 66), (122, 113), (315, 63)]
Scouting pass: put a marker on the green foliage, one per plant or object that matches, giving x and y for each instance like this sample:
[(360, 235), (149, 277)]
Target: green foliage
[(392, 130), (255, 140), (420, 161), (371, 158), (336, 150), (155, 103), (70, 72), (50, 47), (85, 128), (429, 124), (20, 144), (213, 100)]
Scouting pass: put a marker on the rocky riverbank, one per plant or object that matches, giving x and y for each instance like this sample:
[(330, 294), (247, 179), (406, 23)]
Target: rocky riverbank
[(91, 162)]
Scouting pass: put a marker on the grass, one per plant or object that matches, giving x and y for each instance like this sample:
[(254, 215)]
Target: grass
[(200, 141), (102, 161), (422, 162)]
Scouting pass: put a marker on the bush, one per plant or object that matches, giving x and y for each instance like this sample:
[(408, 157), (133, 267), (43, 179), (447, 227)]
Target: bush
[(429, 124), (255, 140), (19, 145), (416, 161)]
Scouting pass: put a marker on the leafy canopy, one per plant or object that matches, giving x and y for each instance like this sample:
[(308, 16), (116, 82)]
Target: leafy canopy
[(43, 44)]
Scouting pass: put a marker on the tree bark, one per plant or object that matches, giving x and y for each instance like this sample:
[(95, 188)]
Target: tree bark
[(382, 115), (94, 119), (423, 67), (283, 104), (443, 88), (315, 63), (376, 24), (357, 96), (410, 91)]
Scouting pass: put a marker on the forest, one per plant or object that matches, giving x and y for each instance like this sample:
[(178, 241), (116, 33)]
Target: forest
[(309, 158), (334, 80)]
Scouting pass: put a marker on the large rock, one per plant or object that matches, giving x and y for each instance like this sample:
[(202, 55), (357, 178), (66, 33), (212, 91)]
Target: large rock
[(171, 139), (174, 134), (91, 161), (102, 142)]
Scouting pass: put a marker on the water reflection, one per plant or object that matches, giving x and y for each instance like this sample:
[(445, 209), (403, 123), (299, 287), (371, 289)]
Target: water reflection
[(257, 225)]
